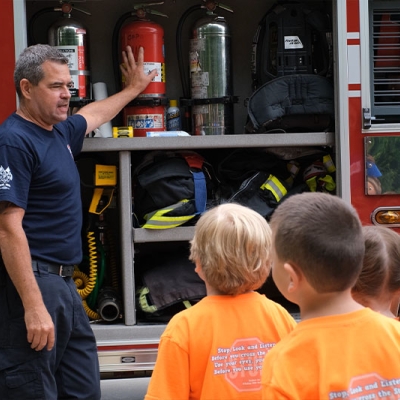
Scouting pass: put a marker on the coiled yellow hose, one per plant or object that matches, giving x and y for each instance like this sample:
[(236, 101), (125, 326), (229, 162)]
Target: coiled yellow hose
[(85, 284), (89, 312)]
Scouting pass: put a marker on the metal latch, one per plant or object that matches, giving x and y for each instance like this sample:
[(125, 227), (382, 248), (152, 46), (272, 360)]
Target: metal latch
[(367, 118)]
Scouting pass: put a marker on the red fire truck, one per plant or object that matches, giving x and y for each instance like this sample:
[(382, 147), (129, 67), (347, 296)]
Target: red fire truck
[(365, 53)]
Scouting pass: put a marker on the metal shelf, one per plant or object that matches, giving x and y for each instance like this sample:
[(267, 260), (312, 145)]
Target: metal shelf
[(125, 147), (178, 234), (204, 142)]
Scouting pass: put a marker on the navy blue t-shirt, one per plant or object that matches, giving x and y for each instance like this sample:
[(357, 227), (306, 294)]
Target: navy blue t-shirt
[(38, 173)]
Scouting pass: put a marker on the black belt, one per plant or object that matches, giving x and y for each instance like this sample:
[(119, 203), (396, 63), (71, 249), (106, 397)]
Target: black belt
[(53, 268)]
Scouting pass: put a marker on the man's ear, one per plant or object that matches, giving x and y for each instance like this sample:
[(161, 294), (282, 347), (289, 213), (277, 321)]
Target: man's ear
[(294, 277), (25, 86)]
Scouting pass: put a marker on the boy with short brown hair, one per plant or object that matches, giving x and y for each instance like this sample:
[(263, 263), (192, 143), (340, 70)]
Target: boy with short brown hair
[(339, 349)]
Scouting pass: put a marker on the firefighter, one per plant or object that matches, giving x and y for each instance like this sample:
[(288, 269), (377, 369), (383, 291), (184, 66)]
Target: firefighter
[(47, 348)]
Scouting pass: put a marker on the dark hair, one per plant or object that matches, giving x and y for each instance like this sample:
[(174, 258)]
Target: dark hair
[(29, 64), (392, 240), (321, 235), (374, 273)]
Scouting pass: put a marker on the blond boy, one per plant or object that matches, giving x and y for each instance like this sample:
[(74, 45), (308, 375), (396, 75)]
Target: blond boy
[(214, 350)]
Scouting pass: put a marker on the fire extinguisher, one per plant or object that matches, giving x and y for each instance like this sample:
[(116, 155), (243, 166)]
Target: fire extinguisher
[(70, 37), (210, 66), (148, 111)]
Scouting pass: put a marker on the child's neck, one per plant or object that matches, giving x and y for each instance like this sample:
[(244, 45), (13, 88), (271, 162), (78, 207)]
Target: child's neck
[(334, 303), (211, 291), (380, 303)]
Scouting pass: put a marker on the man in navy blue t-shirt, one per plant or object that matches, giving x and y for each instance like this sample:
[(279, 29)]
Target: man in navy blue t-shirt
[(47, 348)]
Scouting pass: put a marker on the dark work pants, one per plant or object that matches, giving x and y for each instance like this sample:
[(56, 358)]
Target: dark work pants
[(71, 369)]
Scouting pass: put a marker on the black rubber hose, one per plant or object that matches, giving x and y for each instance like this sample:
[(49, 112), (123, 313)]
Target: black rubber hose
[(181, 64), (31, 24), (115, 49)]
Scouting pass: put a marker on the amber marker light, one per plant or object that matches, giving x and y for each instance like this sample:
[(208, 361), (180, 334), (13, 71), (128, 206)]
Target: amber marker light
[(386, 216)]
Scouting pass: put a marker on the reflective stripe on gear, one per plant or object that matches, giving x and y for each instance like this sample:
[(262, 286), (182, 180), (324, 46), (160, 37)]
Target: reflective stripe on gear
[(293, 167), (158, 220), (312, 184), (144, 304), (186, 303), (327, 183), (274, 185), (328, 163)]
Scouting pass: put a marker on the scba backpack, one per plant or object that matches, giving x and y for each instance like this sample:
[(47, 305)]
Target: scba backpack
[(293, 103), (292, 38), (292, 66), (171, 188)]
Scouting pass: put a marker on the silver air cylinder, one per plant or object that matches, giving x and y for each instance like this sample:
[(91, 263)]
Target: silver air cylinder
[(211, 76), (69, 36)]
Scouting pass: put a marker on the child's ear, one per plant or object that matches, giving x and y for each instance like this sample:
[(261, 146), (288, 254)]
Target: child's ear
[(199, 270), (294, 277)]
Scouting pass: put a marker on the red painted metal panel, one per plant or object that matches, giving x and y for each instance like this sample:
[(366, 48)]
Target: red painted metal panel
[(365, 205), (353, 15), (7, 92)]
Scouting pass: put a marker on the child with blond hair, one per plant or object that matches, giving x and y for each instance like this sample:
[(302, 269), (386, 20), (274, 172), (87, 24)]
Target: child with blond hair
[(215, 349)]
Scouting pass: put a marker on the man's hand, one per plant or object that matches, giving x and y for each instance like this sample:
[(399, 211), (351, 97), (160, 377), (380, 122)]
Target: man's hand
[(40, 328), (133, 72), (16, 256), (136, 80)]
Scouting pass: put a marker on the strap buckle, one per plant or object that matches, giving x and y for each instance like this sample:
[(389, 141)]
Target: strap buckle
[(65, 271)]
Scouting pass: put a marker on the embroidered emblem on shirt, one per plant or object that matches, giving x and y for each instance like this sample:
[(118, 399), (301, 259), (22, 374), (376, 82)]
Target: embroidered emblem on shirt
[(5, 178), (70, 152)]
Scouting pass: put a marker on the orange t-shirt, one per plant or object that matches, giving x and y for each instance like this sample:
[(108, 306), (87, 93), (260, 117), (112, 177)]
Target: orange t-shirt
[(348, 356), (214, 350)]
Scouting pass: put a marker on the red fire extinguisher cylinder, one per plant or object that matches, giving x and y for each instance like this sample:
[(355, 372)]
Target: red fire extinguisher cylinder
[(150, 36)]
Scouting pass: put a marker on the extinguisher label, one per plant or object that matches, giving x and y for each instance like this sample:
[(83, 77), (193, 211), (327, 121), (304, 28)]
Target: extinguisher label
[(197, 45), (194, 61), (144, 121), (76, 65), (200, 79), (199, 92), (81, 67), (149, 66)]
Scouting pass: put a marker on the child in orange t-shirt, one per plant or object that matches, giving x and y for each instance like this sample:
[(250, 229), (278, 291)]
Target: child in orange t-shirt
[(339, 350), (214, 350), (378, 285)]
